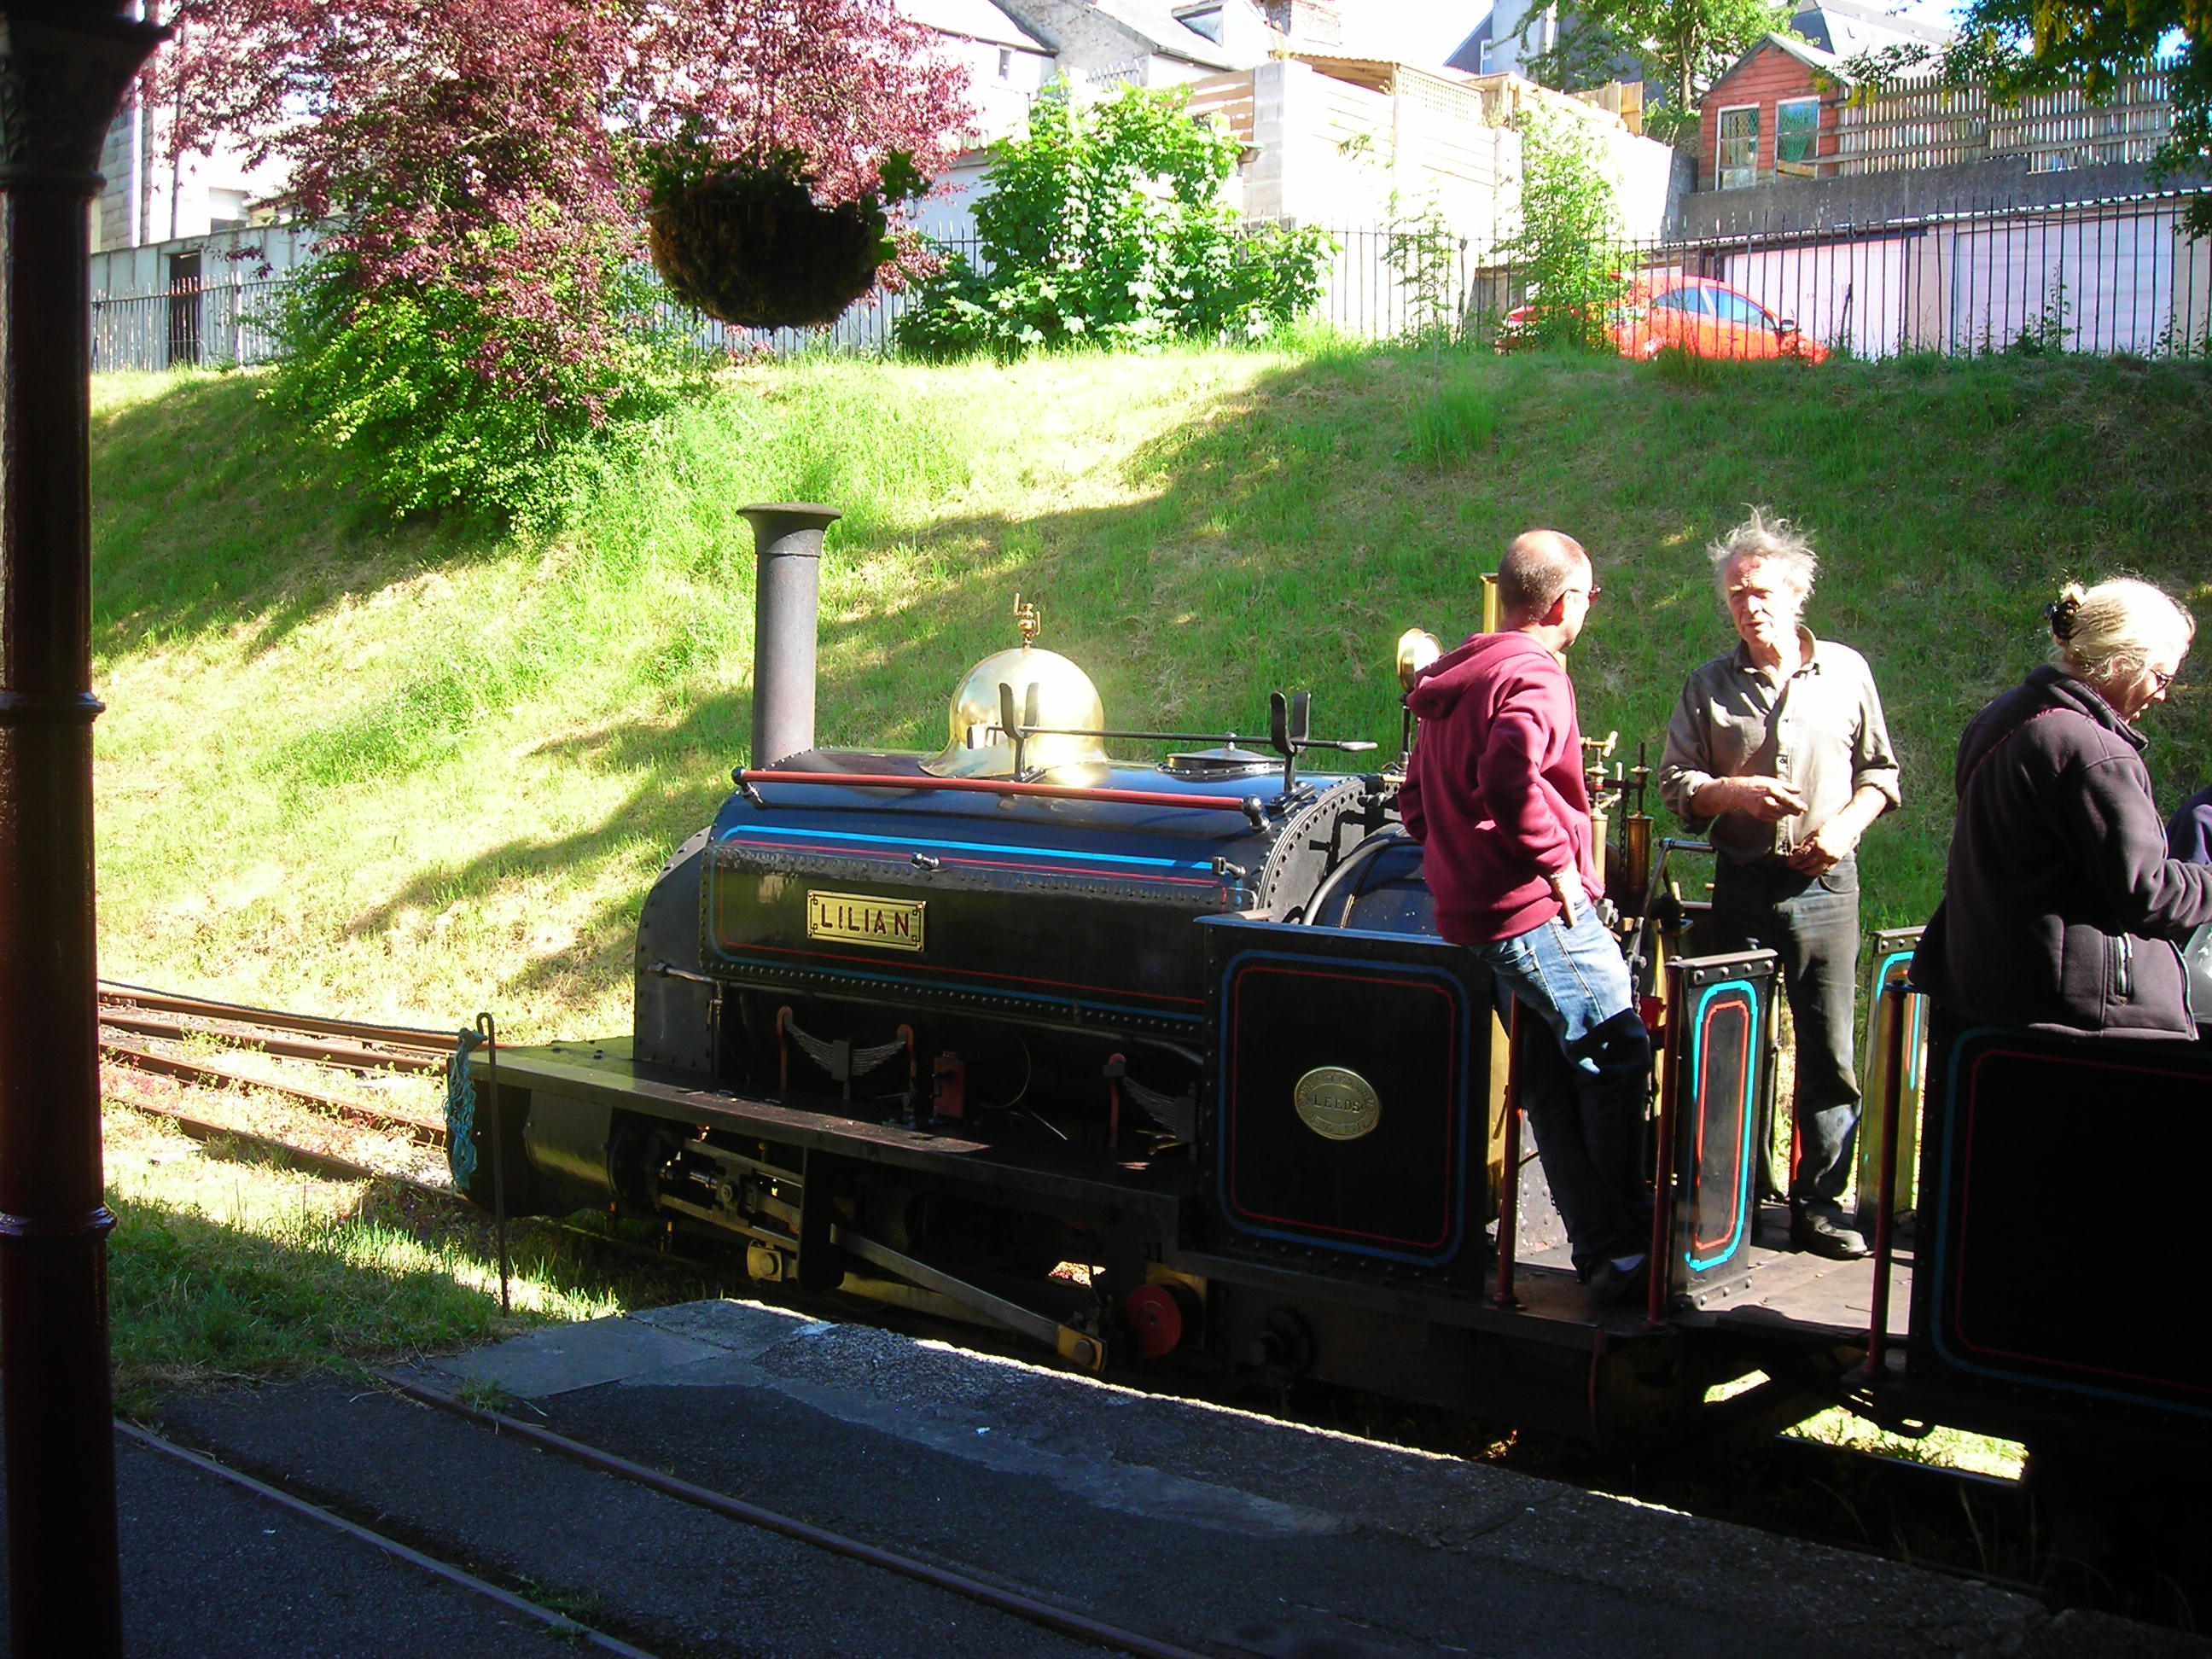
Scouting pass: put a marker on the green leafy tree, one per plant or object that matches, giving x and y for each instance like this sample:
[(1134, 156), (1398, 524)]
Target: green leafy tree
[(1568, 253), (1682, 45), (1106, 222), (2016, 48)]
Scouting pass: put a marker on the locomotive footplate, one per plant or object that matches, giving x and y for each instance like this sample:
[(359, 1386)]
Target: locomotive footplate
[(964, 1229)]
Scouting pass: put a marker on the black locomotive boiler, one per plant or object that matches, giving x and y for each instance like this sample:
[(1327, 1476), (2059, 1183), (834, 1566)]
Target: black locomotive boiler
[(1165, 1064)]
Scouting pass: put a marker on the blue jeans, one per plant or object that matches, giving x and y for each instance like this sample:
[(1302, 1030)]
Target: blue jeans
[(1585, 1074), (1811, 922)]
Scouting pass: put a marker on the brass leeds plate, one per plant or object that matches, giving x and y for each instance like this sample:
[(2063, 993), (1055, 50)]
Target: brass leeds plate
[(1337, 1105), (856, 919)]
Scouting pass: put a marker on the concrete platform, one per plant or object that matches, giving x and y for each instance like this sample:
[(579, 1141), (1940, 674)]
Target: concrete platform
[(1220, 1531)]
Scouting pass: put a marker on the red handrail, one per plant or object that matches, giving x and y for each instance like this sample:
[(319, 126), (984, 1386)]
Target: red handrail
[(1245, 804)]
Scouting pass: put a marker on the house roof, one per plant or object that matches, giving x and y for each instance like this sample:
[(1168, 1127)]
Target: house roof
[(973, 19), (1468, 55), (1848, 27), (1162, 30), (1825, 63)]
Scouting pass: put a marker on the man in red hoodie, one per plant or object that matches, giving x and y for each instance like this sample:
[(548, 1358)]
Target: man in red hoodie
[(1495, 794)]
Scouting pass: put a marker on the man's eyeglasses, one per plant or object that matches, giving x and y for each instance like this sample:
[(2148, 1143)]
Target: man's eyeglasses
[(1589, 594), (2160, 679)]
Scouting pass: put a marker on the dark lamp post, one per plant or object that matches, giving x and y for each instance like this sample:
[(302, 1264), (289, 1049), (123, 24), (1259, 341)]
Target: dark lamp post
[(62, 69)]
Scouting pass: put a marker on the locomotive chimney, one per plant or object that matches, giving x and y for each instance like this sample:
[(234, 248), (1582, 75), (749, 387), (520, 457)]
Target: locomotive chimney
[(786, 583)]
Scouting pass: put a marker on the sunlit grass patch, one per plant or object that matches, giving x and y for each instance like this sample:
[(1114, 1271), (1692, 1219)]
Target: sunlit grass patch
[(1949, 1448), (224, 1265)]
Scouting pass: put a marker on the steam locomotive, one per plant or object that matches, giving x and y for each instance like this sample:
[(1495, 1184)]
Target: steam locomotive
[(1166, 1065)]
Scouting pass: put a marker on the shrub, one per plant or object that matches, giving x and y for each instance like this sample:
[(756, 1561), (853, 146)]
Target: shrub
[(1569, 248), (403, 385), (1107, 223)]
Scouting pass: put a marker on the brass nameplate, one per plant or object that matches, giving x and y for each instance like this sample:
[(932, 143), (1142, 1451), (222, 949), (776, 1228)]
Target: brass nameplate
[(1337, 1105), (856, 919)]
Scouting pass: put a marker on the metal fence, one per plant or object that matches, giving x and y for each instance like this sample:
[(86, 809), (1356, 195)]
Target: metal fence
[(2096, 276), (2102, 277)]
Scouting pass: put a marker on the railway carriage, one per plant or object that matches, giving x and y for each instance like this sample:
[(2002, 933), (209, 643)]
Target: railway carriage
[(1166, 1065)]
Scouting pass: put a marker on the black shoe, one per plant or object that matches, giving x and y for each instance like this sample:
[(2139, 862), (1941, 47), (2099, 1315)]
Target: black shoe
[(1821, 1232), (1612, 1287)]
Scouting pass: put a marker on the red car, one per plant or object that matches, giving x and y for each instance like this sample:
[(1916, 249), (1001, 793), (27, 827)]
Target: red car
[(1704, 318)]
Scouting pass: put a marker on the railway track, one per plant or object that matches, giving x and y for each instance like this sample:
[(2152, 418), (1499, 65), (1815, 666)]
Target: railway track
[(165, 1034)]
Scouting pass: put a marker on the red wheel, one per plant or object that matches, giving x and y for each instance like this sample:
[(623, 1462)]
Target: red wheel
[(1154, 1319)]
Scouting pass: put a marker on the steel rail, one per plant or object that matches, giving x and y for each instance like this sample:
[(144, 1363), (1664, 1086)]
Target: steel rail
[(329, 1053), (197, 1071), (1035, 1611), (115, 993), (569, 1628), (329, 1163)]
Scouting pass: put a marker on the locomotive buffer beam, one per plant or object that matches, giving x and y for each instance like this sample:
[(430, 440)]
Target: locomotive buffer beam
[(1076, 1347)]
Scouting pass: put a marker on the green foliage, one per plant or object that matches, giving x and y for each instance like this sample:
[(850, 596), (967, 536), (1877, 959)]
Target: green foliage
[(1423, 251), (1683, 45), (1567, 252), (402, 387), (2017, 48), (1106, 224)]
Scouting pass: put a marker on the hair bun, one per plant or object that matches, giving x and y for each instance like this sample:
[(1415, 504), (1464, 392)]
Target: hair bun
[(2060, 612)]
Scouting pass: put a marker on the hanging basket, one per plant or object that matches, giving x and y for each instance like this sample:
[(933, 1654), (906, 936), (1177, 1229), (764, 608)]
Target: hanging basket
[(756, 250)]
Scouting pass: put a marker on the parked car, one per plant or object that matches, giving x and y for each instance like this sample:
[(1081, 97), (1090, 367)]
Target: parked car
[(1704, 318)]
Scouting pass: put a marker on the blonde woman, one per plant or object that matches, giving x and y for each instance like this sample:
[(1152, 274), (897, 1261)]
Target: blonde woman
[(2062, 911)]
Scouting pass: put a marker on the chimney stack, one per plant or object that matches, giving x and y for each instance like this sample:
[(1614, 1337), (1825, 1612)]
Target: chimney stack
[(786, 591)]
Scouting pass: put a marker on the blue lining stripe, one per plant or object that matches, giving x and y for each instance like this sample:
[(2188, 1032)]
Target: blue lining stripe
[(968, 987), (1319, 1236), (1743, 1156), (1916, 1047), (975, 847)]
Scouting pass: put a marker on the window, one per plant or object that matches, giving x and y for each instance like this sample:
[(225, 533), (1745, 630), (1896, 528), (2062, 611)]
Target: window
[(226, 210), (1796, 136), (1006, 63), (1692, 300), (1484, 59), (1736, 163), (1739, 308)]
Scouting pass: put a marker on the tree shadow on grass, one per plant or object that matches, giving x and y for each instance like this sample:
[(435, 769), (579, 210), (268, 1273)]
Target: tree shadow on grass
[(208, 510), (1284, 539)]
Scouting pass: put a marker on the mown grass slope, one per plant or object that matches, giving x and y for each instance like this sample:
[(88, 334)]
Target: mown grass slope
[(410, 772)]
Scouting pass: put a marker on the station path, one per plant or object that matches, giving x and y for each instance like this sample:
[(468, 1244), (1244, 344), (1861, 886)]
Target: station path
[(1191, 1527)]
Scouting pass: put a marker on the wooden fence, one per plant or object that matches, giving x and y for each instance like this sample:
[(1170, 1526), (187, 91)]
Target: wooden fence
[(1917, 124)]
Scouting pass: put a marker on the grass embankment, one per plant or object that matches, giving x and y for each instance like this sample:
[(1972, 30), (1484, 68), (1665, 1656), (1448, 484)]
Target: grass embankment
[(406, 774), (413, 773)]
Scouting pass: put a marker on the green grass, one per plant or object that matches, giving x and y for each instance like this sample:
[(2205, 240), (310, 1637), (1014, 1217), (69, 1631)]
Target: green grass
[(410, 772), (224, 1266)]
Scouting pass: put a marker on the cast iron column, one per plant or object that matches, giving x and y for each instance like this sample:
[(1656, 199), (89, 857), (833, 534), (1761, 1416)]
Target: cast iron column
[(62, 68)]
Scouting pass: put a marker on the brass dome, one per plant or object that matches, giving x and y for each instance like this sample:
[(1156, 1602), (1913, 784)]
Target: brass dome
[(1064, 698)]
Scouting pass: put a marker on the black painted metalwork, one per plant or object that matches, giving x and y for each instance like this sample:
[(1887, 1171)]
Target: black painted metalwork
[(62, 68)]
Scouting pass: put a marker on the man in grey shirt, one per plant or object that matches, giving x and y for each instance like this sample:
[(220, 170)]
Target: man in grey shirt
[(1777, 751)]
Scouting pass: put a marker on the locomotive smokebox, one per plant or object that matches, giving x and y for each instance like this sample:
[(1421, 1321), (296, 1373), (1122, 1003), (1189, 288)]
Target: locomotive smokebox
[(787, 585)]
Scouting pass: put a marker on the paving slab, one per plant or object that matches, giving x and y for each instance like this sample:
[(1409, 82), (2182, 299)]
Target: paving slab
[(212, 1571), (1118, 1500), (1209, 1527)]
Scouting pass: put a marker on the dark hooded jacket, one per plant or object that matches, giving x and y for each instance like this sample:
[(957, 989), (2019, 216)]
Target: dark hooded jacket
[(2061, 909), (1495, 790)]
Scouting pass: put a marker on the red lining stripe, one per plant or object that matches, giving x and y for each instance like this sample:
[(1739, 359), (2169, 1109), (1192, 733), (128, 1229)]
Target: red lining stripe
[(1451, 1122)]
